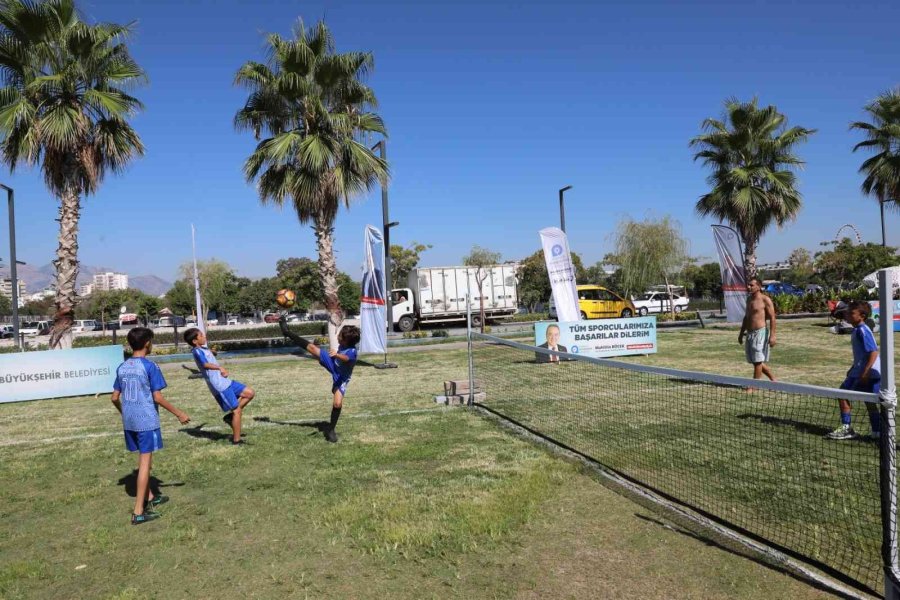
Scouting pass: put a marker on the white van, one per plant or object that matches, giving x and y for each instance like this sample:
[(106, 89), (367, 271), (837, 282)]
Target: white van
[(83, 325)]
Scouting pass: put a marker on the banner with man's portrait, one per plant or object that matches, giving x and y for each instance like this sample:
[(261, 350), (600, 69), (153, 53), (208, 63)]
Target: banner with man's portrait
[(598, 338)]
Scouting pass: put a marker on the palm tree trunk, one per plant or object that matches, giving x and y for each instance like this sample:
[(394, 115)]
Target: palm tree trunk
[(328, 273), (750, 258), (66, 264)]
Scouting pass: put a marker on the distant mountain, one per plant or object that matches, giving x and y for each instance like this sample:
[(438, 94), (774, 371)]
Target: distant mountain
[(39, 278), (149, 284)]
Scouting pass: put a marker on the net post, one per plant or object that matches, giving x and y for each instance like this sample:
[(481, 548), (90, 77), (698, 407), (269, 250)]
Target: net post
[(888, 448), (471, 400)]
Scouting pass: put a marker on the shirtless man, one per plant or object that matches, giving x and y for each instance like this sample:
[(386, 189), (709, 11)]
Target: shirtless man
[(759, 337)]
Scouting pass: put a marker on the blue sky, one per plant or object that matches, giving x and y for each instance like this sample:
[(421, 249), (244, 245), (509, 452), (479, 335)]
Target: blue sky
[(491, 108)]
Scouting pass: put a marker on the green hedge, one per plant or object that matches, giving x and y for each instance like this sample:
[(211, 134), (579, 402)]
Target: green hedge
[(527, 318), (687, 315)]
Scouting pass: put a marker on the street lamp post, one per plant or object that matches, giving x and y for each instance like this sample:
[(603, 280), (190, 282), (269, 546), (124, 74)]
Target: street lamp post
[(12, 264), (386, 229), (562, 209)]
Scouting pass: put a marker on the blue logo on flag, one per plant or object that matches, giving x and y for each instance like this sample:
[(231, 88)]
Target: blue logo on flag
[(556, 250), (574, 349)]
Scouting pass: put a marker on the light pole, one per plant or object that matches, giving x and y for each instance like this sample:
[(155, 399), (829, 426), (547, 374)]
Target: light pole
[(12, 264), (562, 208), (386, 228)]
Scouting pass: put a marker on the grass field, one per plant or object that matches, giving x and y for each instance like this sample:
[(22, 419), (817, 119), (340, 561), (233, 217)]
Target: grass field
[(416, 501)]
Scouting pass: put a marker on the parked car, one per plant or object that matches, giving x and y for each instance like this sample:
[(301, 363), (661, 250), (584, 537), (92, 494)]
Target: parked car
[(812, 288), (658, 302), (297, 318), (774, 289), (6, 331), (33, 328), (167, 322), (82, 325), (597, 302), (271, 318)]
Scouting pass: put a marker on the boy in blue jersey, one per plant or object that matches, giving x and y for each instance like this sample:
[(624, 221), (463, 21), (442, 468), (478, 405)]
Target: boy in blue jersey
[(864, 375), (231, 395), (338, 362), (137, 394)]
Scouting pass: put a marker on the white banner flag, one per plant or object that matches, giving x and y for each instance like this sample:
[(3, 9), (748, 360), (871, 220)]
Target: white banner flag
[(201, 316), (734, 280), (561, 272), (372, 307)]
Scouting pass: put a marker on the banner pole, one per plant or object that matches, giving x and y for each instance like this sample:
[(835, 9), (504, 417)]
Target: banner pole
[(471, 401)]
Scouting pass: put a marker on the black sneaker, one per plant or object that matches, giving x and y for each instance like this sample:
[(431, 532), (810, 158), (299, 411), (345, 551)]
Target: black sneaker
[(161, 499), (331, 436), (148, 515), (228, 418), (239, 443)]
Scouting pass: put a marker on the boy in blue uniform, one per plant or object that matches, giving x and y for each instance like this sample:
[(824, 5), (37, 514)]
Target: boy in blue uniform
[(137, 394), (338, 362), (231, 395), (864, 375)]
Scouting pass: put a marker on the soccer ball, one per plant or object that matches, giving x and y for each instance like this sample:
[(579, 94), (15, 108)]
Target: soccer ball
[(286, 298)]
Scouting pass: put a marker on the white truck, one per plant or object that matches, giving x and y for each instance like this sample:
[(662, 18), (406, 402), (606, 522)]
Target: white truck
[(438, 295)]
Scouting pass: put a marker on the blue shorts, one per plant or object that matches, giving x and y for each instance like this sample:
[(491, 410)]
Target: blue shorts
[(229, 398), (338, 382), (873, 386), (143, 441)]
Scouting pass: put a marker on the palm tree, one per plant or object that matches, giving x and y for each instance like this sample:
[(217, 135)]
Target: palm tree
[(63, 106), (751, 156), (311, 111), (882, 171)]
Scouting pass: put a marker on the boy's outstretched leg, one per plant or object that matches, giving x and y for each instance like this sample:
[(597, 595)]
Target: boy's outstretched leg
[(336, 406), (143, 483), (246, 396)]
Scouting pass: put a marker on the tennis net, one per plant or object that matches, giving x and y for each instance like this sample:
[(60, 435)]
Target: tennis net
[(755, 460)]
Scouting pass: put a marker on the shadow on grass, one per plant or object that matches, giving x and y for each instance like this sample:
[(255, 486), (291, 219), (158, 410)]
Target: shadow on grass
[(802, 427), (797, 425), (708, 541), (130, 483), (319, 426), (199, 432)]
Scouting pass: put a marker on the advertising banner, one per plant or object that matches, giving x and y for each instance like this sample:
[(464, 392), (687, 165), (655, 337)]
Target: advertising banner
[(876, 312), (58, 373), (734, 280), (372, 307), (561, 272), (598, 338)]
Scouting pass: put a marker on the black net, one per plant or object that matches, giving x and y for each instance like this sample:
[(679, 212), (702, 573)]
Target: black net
[(756, 460)]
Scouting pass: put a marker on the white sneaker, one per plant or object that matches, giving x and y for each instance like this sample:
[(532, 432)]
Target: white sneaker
[(844, 432)]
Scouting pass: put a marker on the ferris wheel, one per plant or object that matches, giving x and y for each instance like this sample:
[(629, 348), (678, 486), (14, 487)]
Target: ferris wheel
[(837, 236)]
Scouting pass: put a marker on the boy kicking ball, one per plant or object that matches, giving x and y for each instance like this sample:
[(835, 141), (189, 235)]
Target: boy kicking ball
[(137, 394), (338, 362), (231, 395)]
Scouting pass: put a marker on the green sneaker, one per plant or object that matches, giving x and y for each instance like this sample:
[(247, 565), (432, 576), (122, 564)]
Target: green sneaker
[(148, 515), (157, 501)]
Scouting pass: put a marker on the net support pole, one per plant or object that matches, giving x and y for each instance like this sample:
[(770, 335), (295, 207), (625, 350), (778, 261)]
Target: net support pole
[(888, 448), (471, 400)]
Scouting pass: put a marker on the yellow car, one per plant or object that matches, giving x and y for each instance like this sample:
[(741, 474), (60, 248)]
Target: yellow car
[(597, 302)]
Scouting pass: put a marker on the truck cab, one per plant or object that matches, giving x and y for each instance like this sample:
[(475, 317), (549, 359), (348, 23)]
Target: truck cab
[(403, 310)]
